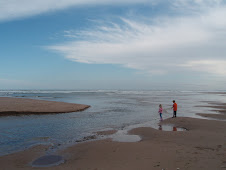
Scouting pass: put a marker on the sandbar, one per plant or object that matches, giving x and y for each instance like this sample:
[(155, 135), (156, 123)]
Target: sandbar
[(20, 106), (219, 108)]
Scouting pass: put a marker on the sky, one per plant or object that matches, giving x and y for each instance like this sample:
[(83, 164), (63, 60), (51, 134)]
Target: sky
[(113, 44)]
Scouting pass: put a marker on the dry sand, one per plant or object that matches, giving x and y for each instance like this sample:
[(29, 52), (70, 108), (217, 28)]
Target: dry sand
[(18, 106), (202, 147)]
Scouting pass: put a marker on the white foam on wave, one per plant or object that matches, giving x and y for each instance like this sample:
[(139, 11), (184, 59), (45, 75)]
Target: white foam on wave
[(55, 91), (109, 92)]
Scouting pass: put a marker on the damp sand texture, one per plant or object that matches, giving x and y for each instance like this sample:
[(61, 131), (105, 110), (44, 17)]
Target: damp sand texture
[(19, 106)]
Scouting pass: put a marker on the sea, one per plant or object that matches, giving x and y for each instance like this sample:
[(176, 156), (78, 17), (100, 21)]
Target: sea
[(119, 110)]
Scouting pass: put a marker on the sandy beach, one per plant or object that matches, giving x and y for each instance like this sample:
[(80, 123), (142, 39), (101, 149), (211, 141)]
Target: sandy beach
[(19, 106), (219, 108), (201, 146)]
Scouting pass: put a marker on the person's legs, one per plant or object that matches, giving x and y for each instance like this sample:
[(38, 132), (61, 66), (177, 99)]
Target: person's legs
[(175, 114), (160, 115)]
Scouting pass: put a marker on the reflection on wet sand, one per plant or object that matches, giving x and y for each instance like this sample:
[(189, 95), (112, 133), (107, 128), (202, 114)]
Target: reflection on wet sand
[(174, 129), (160, 127), (170, 128)]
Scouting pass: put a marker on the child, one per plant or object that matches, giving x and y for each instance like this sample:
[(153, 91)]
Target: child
[(174, 109), (160, 111)]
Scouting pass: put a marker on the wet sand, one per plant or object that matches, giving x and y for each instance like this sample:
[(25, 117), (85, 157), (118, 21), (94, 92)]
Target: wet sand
[(215, 116), (19, 106), (108, 132), (202, 146), (219, 108)]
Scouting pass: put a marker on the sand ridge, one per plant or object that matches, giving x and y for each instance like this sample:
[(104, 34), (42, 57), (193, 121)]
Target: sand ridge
[(19, 106)]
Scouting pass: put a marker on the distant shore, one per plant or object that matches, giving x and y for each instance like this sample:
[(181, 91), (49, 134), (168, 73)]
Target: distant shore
[(19, 106), (201, 146)]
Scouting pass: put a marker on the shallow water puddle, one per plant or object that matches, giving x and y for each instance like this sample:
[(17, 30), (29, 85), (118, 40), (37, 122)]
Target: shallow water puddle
[(170, 128), (48, 161), (122, 136)]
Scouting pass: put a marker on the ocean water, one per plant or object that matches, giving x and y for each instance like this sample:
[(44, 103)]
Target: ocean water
[(110, 109)]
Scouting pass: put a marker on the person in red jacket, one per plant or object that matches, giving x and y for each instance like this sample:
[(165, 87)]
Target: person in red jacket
[(174, 109)]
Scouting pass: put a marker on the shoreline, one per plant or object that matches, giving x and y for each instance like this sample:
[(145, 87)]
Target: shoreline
[(19, 106), (202, 146), (219, 108)]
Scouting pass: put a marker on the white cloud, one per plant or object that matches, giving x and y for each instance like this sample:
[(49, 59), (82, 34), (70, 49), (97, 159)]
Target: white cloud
[(12, 9), (210, 66), (156, 46)]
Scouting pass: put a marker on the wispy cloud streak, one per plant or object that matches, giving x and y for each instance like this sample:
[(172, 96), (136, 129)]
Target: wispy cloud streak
[(157, 46), (13, 9)]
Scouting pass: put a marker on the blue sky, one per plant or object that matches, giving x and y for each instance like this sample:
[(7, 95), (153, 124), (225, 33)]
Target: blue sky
[(106, 44)]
